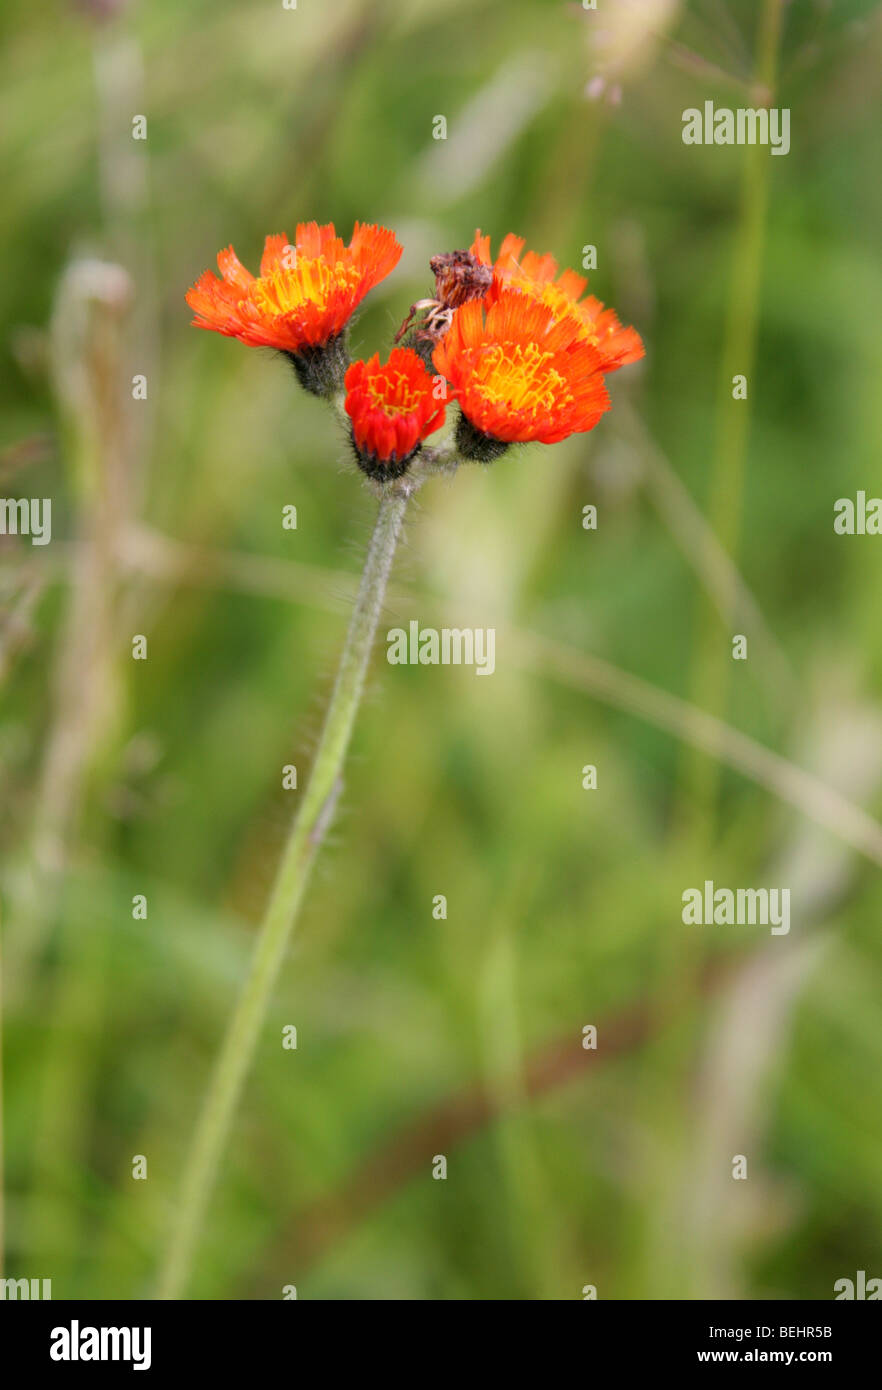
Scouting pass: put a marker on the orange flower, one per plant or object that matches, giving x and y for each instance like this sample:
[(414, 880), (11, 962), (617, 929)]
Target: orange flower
[(523, 374), (304, 296), (393, 408), (537, 276)]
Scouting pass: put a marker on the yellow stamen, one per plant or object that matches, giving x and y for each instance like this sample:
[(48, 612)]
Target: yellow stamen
[(521, 378), (394, 394), (310, 282)]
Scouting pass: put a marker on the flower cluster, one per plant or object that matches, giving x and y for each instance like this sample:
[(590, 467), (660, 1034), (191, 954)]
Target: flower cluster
[(521, 348)]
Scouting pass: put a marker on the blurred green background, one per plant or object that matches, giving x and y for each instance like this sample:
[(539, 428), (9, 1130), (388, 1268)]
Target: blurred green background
[(461, 1037)]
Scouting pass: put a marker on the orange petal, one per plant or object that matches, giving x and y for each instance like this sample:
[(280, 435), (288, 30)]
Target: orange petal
[(273, 250), (232, 269)]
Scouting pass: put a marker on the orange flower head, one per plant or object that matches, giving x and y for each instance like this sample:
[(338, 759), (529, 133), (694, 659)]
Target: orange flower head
[(537, 276), (519, 374), (393, 408), (303, 298)]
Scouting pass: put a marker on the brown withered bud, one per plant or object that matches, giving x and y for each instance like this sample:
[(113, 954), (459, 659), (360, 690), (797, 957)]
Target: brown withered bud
[(459, 277)]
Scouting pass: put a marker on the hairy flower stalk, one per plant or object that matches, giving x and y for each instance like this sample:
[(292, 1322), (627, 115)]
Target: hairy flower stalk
[(307, 832)]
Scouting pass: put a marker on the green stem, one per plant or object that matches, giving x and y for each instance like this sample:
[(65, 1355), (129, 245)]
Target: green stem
[(713, 656), (307, 832)]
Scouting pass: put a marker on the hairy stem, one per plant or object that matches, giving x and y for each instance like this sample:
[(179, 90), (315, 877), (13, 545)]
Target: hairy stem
[(311, 822)]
